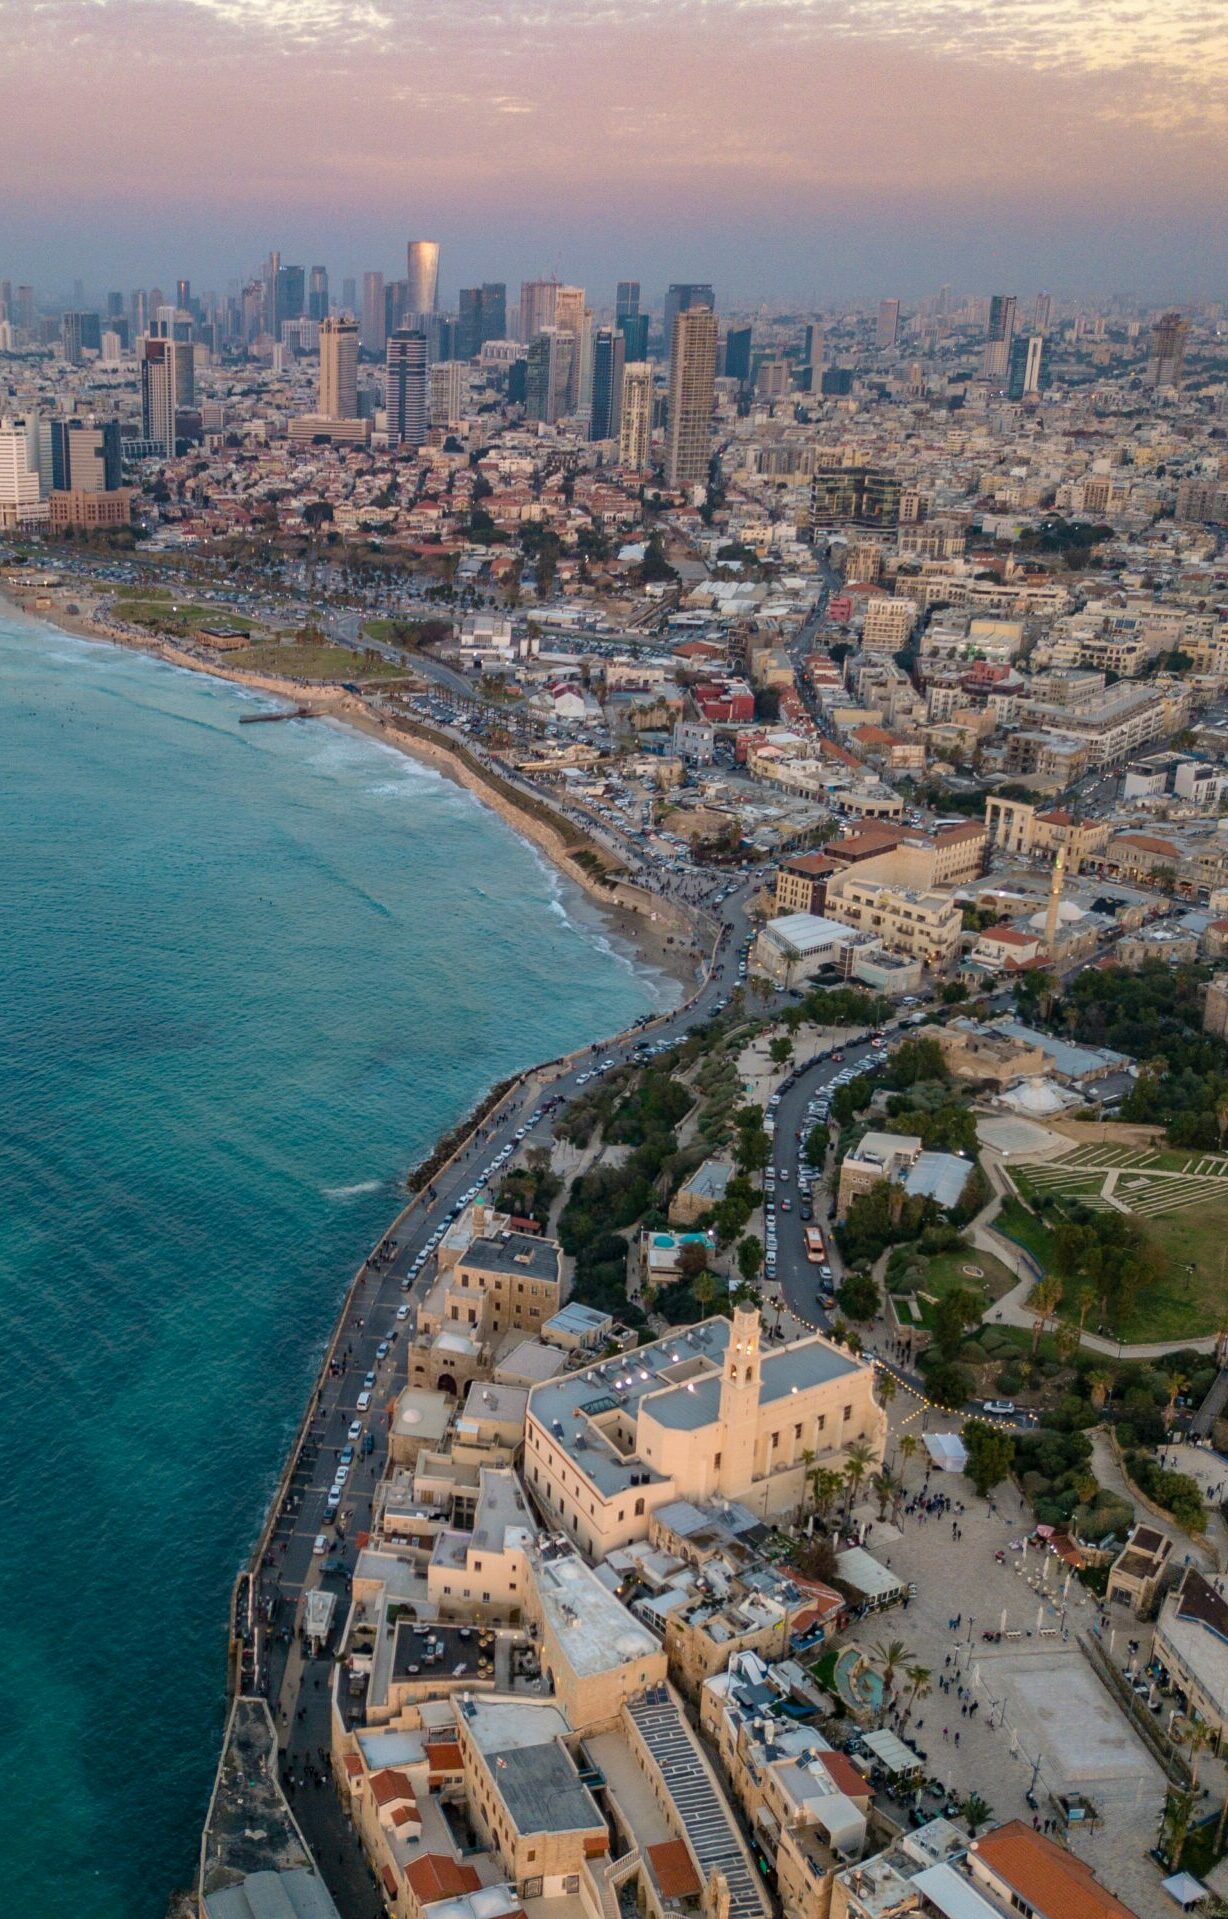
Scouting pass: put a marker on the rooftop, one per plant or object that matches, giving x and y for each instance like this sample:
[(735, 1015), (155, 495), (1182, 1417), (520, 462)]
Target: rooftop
[(521, 1254)]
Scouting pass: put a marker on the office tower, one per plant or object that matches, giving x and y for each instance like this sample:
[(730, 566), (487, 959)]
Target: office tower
[(548, 373), (1026, 370), (84, 458), (406, 397), (19, 485), (996, 358), (812, 357), (1042, 313), (692, 378), (572, 316), (166, 376), (78, 293), (635, 428), (112, 347), (374, 332), (537, 306), (737, 354), (626, 301), (339, 369), (864, 495), (482, 317), (449, 388), (609, 361), (887, 331), (80, 333), (422, 273), (634, 329), (25, 308), (6, 300), (494, 310), (289, 295), (115, 306), (349, 294), (682, 296), (183, 293), (1168, 337), (317, 294)]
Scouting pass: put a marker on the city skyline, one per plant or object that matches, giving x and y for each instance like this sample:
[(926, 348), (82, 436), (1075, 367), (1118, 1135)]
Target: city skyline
[(1082, 151)]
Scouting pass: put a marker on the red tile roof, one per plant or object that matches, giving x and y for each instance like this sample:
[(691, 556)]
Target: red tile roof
[(674, 1870), (435, 1876), (444, 1755), (844, 1775), (390, 1787), (1054, 1883)]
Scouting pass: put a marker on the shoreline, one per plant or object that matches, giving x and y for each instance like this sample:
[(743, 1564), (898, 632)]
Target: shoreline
[(649, 929)]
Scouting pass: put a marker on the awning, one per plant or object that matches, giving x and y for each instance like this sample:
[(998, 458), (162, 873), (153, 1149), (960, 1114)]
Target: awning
[(1184, 1889), (891, 1752)]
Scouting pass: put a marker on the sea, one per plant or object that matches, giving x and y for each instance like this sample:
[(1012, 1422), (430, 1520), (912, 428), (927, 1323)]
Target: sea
[(248, 974)]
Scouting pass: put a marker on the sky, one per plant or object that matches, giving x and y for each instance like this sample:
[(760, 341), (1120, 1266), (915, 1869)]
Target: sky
[(786, 150)]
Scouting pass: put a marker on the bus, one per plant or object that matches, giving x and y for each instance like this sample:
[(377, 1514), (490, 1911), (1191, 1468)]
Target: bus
[(815, 1251)]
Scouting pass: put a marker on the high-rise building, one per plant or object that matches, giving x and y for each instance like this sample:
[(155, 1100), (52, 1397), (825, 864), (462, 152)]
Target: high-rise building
[(317, 294), (635, 427), (737, 354), (422, 273), (374, 331), (1027, 372), (537, 306), (548, 374), (20, 494), (996, 358), (80, 333), (1042, 313), (115, 306), (449, 386), (811, 369), (634, 329), (85, 457), (864, 495), (572, 316), (482, 316), (167, 387), (183, 294), (682, 296), (406, 398), (25, 308), (349, 294), (339, 369), (692, 380), (626, 301), (1168, 337), (887, 331), (609, 360)]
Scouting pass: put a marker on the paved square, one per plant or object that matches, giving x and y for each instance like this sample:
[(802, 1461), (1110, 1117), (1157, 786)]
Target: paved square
[(1060, 1710)]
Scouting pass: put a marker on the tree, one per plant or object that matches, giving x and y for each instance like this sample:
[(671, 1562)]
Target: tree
[(693, 1259), (909, 1447), (991, 1454), (1045, 1300), (781, 1050), (1174, 1385), (887, 1386), (1099, 1385), (919, 1687), (977, 1813), (825, 1483), (955, 1312), (884, 1484), (891, 1655), (750, 1258), (857, 1463), (859, 1296), (1175, 1822)]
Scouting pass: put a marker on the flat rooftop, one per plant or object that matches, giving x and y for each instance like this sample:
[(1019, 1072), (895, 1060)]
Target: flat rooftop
[(520, 1254), (595, 1631)]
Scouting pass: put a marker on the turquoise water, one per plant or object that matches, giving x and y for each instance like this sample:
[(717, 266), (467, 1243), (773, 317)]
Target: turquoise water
[(247, 975)]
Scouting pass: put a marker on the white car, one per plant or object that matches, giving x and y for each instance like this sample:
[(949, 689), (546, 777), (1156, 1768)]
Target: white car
[(402, 1312), (334, 1499), (341, 1475), (355, 1431), (321, 1545)]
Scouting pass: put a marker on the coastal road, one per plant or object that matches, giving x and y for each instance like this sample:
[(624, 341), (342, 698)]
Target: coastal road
[(297, 1686)]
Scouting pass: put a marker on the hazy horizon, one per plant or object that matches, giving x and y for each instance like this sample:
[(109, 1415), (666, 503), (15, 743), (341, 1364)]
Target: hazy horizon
[(788, 150)]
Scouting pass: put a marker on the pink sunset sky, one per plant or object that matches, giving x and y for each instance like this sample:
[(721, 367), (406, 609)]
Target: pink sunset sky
[(808, 148)]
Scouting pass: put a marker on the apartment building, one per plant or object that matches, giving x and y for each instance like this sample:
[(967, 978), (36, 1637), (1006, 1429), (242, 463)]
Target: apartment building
[(924, 926)]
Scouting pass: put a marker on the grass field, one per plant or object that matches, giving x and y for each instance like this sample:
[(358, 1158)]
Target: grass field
[(316, 663), (175, 616), (943, 1273)]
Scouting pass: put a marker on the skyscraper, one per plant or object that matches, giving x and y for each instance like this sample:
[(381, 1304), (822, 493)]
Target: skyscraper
[(626, 301), (349, 294), (1042, 313), (339, 369), (84, 457), (682, 296), (692, 378), (812, 356), (887, 331), (1168, 337), (80, 333), (1026, 370), (166, 378), (482, 317), (422, 273), (494, 310), (609, 359), (634, 329), (406, 398), (996, 358), (737, 354), (537, 304), (635, 429), (374, 332), (572, 316), (317, 294), (548, 374)]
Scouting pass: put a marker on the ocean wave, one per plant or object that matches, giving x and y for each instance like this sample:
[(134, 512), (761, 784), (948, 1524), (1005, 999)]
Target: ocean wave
[(352, 1192)]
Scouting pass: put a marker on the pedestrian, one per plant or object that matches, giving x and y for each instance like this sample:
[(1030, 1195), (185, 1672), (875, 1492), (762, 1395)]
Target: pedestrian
[(946, 1732)]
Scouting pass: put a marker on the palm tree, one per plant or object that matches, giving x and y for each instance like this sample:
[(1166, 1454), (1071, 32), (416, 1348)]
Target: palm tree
[(919, 1687), (1084, 1300), (1067, 1340), (824, 1484), (807, 1465), (884, 1484), (892, 1655), (1198, 1736), (887, 1386), (1100, 1384), (908, 1451), (857, 1464), (1045, 1300), (1174, 1385), (1175, 1825), (976, 1813)]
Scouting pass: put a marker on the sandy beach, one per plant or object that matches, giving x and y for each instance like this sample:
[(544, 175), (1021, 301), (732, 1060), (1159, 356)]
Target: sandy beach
[(661, 933)]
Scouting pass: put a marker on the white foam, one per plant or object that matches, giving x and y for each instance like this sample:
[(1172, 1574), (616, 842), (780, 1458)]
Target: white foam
[(352, 1192)]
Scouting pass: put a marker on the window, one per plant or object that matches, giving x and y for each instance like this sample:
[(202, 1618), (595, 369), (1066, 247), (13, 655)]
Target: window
[(797, 1430), (848, 1414), (775, 1441), (716, 1461), (639, 1509), (821, 1422)]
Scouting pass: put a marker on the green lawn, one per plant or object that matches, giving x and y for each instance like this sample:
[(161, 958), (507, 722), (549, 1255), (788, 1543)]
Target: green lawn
[(176, 616), (1017, 1223), (316, 663), (143, 593)]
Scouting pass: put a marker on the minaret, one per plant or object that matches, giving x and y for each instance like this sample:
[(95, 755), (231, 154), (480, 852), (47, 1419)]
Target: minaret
[(739, 1418), (1052, 919)]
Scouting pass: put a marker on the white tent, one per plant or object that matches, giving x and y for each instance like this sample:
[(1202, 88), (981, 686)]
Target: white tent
[(947, 1450), (1185, 1889), (891, 1752)]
